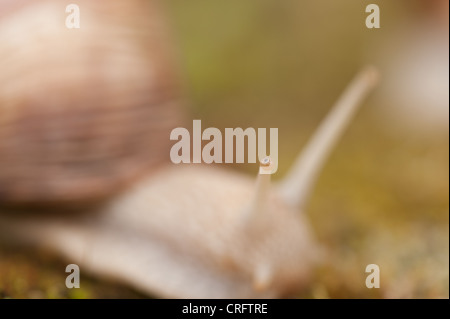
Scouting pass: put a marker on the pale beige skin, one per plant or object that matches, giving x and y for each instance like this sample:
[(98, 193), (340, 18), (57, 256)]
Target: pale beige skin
[(183, 233), (193, 231)]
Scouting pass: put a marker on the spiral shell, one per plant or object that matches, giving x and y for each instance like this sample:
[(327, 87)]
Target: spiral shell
[(85, 111)]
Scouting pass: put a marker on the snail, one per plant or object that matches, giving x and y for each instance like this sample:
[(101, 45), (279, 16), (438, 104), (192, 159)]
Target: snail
[(180, 230)]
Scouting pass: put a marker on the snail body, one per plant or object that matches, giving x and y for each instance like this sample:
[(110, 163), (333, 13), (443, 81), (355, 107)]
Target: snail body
[(181, 231), (196, 246)]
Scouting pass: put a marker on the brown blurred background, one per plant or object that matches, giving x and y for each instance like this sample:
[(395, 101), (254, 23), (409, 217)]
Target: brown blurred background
[(383, 195)]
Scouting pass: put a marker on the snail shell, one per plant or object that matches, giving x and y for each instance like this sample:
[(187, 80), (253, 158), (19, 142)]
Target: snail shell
[(83, 112)]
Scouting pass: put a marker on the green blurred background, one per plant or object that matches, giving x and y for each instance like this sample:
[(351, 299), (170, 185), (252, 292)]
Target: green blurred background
[(383, 195)]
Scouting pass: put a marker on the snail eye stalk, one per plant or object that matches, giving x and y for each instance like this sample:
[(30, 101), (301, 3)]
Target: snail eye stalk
[(262, 188), (296, 187)]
